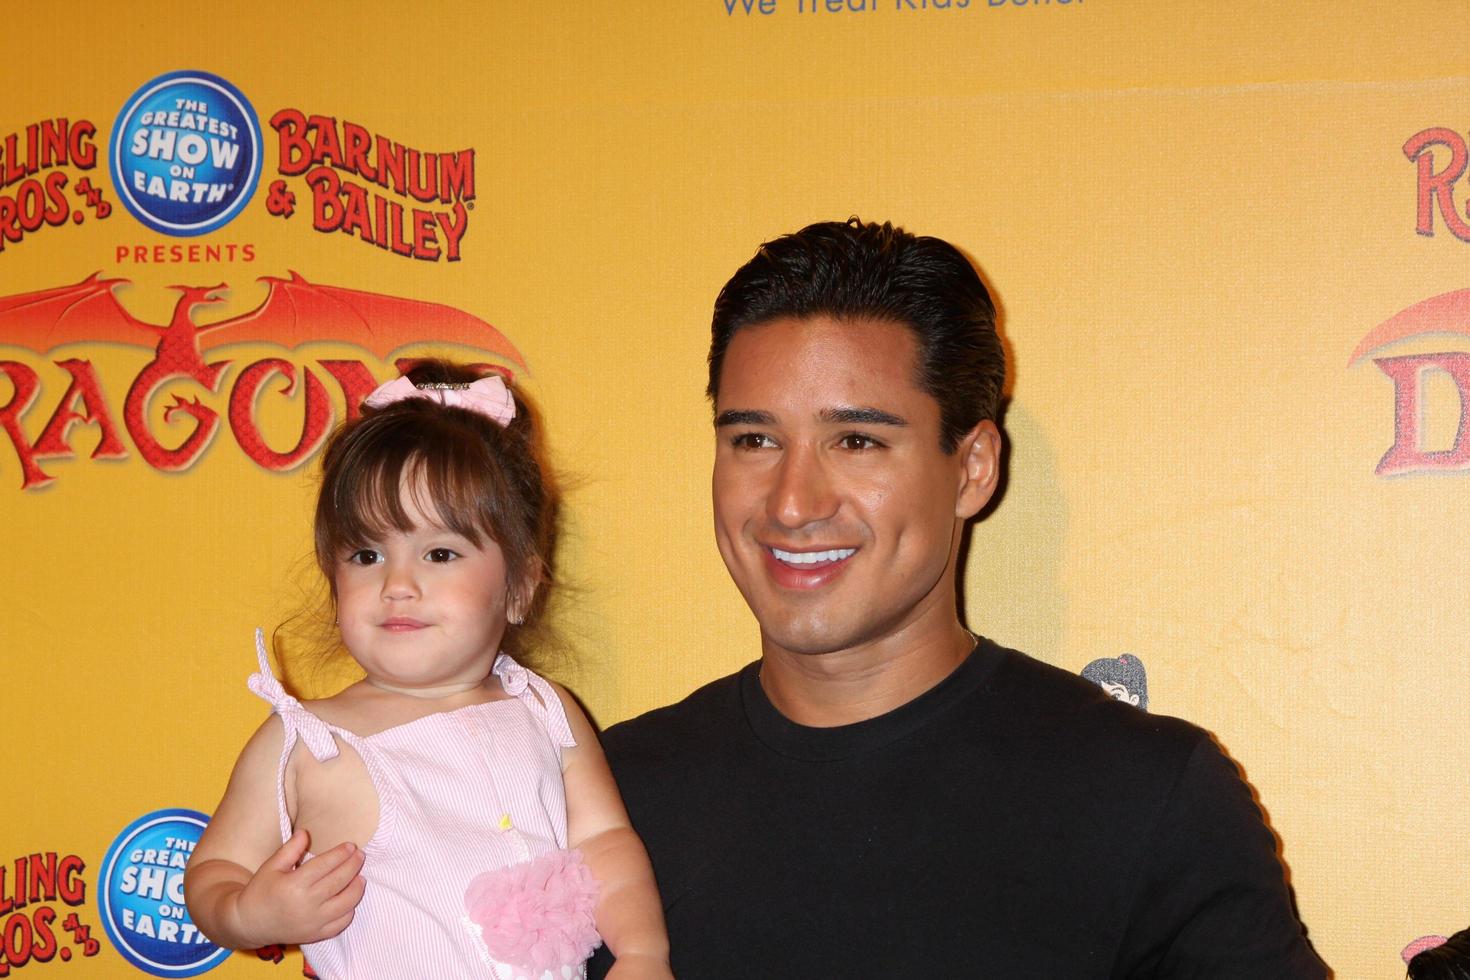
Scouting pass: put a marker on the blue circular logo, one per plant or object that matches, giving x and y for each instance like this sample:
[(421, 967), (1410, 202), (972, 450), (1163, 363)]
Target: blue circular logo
[(141, 896), (186, 153)]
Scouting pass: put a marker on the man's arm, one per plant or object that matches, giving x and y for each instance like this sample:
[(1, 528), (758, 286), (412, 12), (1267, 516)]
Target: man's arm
[(1212, 900)]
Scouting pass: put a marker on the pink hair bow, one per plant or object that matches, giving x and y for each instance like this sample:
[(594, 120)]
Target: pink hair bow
[(488, 396)]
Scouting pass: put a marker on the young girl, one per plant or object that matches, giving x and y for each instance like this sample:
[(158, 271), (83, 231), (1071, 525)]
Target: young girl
[(426, 810)]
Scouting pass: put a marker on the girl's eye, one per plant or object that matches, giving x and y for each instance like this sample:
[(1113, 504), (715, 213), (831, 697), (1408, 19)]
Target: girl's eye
[(752, 440), (364, 556), (441, 554)]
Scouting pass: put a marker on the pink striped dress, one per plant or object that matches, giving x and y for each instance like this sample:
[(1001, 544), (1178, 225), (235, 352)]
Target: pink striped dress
[(471, 838)]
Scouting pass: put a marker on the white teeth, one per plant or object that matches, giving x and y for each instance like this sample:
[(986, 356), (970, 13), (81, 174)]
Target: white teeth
[(812, 557)]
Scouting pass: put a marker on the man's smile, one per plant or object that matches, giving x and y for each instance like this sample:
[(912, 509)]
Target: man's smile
[(810, 558), (805, 570)]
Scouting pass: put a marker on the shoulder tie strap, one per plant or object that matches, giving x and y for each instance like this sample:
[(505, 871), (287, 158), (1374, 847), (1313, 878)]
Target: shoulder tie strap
[(297, 719), (538, 695)]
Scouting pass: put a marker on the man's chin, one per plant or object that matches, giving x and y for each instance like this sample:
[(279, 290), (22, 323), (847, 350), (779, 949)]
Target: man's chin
[(806, 641)]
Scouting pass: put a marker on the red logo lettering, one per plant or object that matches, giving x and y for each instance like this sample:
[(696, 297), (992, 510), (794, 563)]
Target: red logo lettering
[(29, 202), (1436, 187), (1408, 372), (294, 312), (1445, 315), (322, 150)]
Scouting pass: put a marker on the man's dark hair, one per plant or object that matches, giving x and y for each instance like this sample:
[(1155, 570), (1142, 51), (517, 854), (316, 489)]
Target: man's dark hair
[(855, 271)]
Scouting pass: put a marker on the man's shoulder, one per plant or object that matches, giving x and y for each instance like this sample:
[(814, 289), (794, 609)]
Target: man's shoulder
[(1044, 702), (685, 726)]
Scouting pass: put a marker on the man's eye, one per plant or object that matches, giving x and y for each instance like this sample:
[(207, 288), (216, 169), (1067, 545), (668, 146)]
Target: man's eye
[(859, 441), (364, 556), (752, 440), (441, 554)]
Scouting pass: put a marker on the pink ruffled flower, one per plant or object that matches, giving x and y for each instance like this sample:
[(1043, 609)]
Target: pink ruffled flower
[(536, 915)]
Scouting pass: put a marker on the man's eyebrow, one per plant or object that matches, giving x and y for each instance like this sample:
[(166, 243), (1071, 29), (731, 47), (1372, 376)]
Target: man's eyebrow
[(744, 417), (861, 416)]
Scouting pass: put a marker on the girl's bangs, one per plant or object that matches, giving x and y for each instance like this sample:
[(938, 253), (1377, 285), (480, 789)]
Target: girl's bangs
[(446, 488)]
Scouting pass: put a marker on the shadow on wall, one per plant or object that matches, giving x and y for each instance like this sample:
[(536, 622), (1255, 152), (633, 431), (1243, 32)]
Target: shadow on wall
[(1010, 586)]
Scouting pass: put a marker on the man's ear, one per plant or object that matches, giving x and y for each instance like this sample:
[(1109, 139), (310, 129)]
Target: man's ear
[(521, 595), (979, 457)]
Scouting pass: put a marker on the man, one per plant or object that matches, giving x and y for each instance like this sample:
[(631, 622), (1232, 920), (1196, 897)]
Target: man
[(883, 794)]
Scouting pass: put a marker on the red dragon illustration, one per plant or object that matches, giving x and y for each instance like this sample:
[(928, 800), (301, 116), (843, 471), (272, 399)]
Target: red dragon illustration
[(293, 313)]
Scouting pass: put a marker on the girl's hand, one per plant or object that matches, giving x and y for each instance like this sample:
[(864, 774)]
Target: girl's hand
[(291, 901), (634, 966)]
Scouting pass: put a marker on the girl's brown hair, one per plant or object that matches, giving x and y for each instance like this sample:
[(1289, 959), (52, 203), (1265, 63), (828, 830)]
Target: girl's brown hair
[(484, 481)]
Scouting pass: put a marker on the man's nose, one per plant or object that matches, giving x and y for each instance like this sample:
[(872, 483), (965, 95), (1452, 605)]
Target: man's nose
[(803, 492)]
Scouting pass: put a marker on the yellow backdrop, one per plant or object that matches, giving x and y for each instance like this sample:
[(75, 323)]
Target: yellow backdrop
[(1191, 213)]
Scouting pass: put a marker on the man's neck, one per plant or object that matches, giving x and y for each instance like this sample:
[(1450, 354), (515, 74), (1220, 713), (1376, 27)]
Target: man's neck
[(848, 686)]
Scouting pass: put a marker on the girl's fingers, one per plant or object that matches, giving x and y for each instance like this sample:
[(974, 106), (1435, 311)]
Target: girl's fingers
[(345, 901), (336, 926), (327, 863), (336, 879), (289, 854)]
